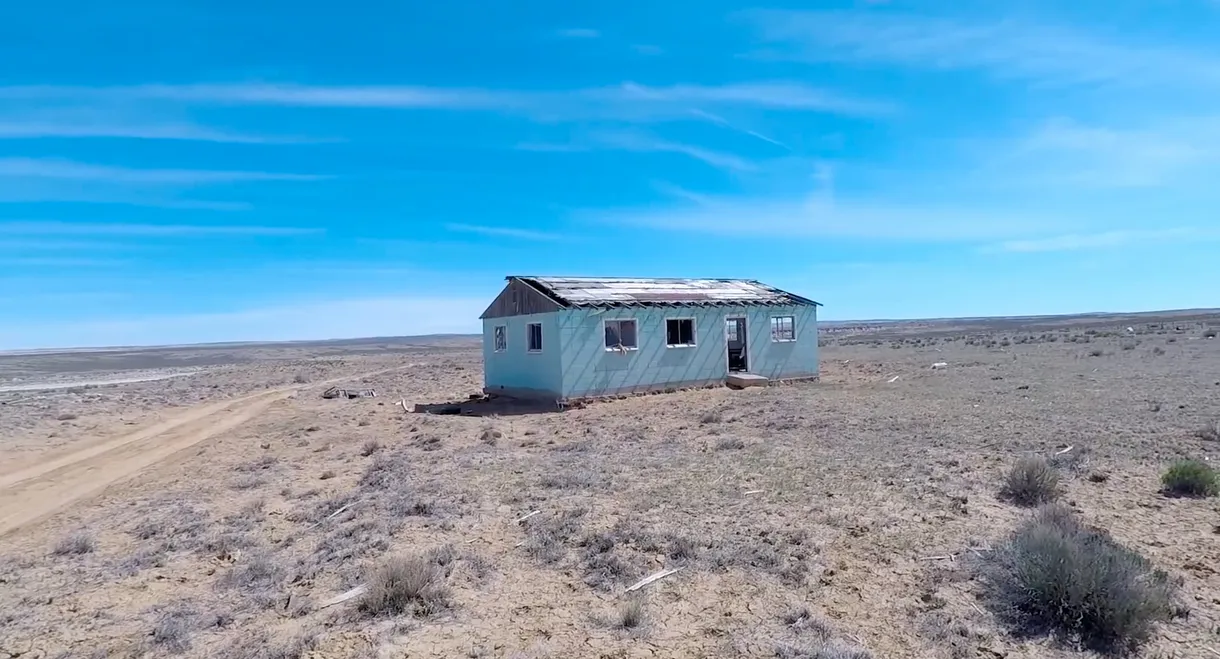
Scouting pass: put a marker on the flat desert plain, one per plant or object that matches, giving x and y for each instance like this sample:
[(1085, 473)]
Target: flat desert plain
[(209, 502)]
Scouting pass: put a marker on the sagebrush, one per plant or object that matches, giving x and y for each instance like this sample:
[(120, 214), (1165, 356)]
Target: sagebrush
[(1190, 478), (1056, 575), (1032, 481)]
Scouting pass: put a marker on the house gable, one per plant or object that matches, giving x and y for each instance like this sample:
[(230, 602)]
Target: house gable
[(519, 299)]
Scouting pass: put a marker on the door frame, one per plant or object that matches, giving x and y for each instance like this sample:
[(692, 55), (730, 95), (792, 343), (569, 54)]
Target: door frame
[(744, 338)]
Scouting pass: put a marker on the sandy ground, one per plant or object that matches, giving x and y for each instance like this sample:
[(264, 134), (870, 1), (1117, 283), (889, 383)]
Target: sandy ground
[(215, 514)]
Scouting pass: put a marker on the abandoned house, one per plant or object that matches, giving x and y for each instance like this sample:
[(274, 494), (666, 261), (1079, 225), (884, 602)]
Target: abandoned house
[(575, 337)]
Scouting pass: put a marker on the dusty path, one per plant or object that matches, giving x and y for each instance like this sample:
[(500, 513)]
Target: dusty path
[(37, 491)]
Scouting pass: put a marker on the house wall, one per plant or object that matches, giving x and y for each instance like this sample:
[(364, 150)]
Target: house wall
[(519, 298), (516, 371), (590, 370)]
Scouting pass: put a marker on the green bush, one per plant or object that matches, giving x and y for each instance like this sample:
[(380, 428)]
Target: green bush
[(1190, 478), (1032, 481), (1055, 575)]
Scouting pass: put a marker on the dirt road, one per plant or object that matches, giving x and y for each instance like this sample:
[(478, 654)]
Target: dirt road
[(34, 492)]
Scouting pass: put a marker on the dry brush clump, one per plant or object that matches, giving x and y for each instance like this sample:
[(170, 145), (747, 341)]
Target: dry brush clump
[(1210, 431), (1031, 482), (410, 584), (1054, 575), (813, 638), (75, 544), (1190, 478)]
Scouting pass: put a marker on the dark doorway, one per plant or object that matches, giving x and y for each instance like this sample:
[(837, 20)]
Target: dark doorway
[(735, 338)]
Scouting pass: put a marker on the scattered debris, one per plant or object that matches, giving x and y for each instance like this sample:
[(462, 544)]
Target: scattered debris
[(939, 365), (339, 599), (1064, 450), (336, 392), (651, 578), (893, 379), (528, 515)]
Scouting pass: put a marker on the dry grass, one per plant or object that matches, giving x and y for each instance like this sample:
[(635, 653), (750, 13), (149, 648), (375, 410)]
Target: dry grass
[(833, 519), (1031, 481), (412, 584)]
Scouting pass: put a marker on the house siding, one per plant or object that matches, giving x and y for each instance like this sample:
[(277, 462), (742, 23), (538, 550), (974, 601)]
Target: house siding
[(588, 369), (516, 371), (527, 301)]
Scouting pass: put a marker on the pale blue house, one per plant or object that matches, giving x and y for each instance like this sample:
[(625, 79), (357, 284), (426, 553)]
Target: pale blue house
[(563, 338)]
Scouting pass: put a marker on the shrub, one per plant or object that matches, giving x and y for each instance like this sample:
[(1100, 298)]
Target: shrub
[(490, 436), (1210, 431), (1054, 574), (1190, 478), (632, 615), (406, 584), (173, 633), (1032, 481), (74, 544), (370, 447), (730, 444)]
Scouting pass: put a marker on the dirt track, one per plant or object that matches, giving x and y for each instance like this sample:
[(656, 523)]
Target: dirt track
[(42, 489), (33, 492)]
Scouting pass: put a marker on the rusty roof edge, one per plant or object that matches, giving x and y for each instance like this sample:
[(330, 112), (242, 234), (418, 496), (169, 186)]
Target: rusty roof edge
[(533, 282)]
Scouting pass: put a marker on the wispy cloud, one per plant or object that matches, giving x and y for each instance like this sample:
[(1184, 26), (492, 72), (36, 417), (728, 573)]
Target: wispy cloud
[(721, 121), (15, 128), (27, 245), (58, 262), (56, 228), (642, 142), (578, 33), (628, 100), (320, 319), (1104, 240), (54, 168), (1068, 152), (1005, 47), (817, 215), (504, 232)]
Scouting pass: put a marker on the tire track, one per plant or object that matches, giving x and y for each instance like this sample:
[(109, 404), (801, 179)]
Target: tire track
[(41, 490)]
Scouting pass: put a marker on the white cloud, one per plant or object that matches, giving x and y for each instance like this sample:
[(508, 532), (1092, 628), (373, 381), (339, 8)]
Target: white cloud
[(1104, 240), (504, 232), (819, 216), (1005, 47), (54, 168), (325, 319), (628, 100), (578, 33), (54, 228), (1063, 151), (20, 128), (641, 142)]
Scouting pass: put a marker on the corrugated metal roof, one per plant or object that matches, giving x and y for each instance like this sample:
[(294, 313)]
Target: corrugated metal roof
[(639, 292)]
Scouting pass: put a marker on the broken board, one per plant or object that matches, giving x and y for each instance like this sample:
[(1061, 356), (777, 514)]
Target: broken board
[(743, 380)]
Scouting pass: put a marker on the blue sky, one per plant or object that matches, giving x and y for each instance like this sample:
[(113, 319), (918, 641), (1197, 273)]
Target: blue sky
[(179, 171)]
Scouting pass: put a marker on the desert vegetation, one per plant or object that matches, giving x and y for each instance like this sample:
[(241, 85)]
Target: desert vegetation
[(1029, 499)]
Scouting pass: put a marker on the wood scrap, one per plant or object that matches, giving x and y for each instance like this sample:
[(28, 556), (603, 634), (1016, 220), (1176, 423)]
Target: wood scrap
[(339, 599), (527, 516), (651, 578), (1064, 450)]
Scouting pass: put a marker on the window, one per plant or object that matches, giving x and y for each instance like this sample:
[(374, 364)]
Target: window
[(730, 328), (620, 335), (679, 332), (783, 328), (534, 331), (501, 338)]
